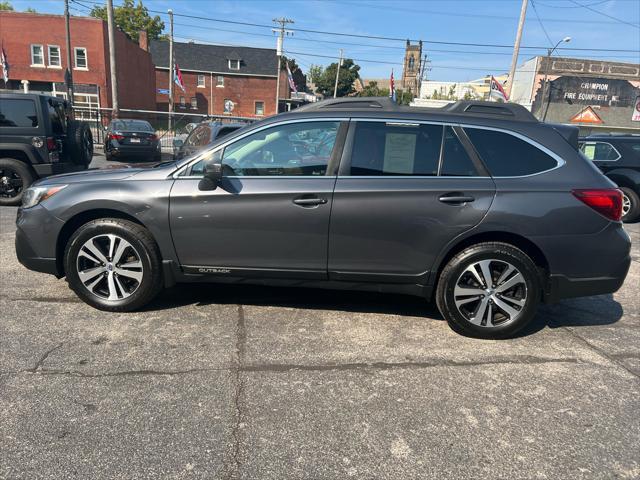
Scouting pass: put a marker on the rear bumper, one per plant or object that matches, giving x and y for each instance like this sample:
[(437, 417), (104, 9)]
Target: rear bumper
[(47, 169), (135, 150), (561, 286)]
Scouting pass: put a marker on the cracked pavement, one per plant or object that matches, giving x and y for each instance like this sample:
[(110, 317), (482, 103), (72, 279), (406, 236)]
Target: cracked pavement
[(234, 382)]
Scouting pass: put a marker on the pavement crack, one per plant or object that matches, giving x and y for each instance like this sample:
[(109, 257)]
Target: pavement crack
[(42, 359), (518, 360), (232, 470), (612, 358), (126, 373)]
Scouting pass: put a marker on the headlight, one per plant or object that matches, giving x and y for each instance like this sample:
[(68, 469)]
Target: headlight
[(34, 195)]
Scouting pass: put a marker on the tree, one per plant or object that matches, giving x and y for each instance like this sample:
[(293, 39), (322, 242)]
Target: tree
[(372, 90), (347, 76), (315, 72), (403, 97), (299, 78), (6, 5), (30, 10), (132, 18)]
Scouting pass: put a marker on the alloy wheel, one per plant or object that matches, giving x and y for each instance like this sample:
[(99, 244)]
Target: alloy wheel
[(109, 267), (10, 183), (490, 293), (626, 205)]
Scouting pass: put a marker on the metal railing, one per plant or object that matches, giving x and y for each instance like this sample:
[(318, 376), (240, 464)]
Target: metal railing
[(181, 123)]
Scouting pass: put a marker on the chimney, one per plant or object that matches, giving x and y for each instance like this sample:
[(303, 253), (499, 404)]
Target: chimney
[(143, 40)]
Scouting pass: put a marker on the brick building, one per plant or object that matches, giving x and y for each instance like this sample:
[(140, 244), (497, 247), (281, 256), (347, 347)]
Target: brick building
[(35, 46), (219, 80)]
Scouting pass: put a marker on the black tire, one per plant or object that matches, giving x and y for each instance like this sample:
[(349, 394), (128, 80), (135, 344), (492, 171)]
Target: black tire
[(79, 142), (143, 246), (527, 291), (634, 205), (108, 156), (157, 157), (15, 177)]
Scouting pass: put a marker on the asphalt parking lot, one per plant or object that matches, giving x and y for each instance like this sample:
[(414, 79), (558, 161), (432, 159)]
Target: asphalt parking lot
[(252, 382)]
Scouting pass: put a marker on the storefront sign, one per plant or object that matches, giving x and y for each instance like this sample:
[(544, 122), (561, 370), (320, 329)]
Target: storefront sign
[(635, 117), (592, 91)]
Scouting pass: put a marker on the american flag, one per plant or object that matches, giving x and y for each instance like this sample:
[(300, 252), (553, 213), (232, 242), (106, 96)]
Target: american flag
[(497, 91), (177, 78), (392, 87), (292, 84), (4, 63)]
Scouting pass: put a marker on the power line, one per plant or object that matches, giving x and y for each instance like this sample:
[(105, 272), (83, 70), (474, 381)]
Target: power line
[(605, 14), (535, 11), (378, 37)]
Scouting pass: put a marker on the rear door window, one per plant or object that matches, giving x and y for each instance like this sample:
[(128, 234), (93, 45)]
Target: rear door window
[(18, 112), (396, 149), (506, 155), (455, 159), (600, 151)]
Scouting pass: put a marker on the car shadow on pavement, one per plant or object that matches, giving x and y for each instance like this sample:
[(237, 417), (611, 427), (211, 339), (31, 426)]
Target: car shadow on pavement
[(204, 294), (579, 312)]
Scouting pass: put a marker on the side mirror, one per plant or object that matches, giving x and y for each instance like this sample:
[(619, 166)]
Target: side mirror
[(212, 175), (178, 142)]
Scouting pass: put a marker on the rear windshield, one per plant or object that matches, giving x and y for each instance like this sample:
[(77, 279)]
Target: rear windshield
[(133, 125), (18, 112)]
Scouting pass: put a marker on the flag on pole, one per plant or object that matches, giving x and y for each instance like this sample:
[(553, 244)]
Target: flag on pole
[(177, 78), (5, 66), (292, 84), (497, 91), (392, 87)]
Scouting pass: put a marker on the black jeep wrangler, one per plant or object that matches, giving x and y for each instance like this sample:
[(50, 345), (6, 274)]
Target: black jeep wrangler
[(618, 157), (38, 138)]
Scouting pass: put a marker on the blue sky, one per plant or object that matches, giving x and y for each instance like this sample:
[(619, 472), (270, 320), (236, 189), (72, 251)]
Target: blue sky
[(598, 24)]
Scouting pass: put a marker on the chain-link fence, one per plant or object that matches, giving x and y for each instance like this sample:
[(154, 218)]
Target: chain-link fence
[(167, 127)]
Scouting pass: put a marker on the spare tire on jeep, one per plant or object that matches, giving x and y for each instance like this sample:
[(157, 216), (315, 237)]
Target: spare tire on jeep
[(79, 142)]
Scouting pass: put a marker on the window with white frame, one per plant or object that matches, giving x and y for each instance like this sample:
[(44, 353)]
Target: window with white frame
[(220, 81), (234, 64), (81, 58), (259, 108), (182, 102), (54, 56), (201, 81), (194, 103), (37, 56)]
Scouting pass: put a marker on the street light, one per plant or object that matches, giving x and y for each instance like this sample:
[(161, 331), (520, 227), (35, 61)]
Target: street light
[(546, 100)]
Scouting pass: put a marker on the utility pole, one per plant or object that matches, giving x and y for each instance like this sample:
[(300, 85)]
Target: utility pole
[(516, 45), (335, 88), (423, 69), (171, 74), (112, 60), (280, 43), (68, 77), (546, 97)]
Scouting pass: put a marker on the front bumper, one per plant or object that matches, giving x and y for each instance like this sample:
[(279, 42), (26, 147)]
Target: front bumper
[(36, 239)]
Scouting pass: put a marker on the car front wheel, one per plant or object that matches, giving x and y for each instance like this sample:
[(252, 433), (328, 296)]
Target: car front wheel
[(489, 290), (113, 264)]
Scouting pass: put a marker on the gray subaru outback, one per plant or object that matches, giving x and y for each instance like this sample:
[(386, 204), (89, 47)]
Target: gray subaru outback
[(477, 205)]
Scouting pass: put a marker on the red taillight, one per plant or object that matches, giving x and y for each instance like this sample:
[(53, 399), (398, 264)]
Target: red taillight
[(51, 144), (115, 136), (153, 137), (607, 202)]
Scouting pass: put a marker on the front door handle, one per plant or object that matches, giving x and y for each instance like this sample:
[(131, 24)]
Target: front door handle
[(307, 201), (456, 198)]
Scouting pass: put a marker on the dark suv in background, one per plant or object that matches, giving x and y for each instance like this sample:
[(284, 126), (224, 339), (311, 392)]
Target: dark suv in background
[(38, 138), (476, 204), (202, 136), (618, 157)]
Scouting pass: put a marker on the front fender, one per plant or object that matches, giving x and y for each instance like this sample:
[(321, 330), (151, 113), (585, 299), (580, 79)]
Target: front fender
[(146, 201)]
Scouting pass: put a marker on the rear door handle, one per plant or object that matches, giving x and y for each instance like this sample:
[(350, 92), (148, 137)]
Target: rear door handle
[(309, 201), (456, 198)]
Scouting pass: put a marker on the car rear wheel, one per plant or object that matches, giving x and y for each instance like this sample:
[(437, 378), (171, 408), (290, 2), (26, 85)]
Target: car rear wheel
[(630, 205), (489, 290), (15, 178), (113, 264)]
